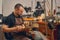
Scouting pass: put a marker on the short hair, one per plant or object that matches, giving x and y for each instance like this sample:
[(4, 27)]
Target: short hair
[(18, 5)]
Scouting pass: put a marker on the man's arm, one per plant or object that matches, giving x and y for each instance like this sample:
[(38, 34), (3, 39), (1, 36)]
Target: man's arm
[(6, 29)]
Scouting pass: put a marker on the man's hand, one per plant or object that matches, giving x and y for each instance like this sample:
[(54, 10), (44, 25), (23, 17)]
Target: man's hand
[(20, 28)]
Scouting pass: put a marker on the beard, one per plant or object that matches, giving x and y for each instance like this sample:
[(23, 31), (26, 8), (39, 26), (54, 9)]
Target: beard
[(19, 14)]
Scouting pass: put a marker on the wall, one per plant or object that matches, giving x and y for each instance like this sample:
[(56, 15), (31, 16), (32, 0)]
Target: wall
[(0, 6), (8, 5)]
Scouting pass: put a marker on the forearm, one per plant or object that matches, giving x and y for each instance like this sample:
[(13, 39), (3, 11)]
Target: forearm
[(10, 29), (5, 28)]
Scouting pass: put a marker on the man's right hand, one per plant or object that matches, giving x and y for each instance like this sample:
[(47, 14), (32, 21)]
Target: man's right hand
[(19, 28)]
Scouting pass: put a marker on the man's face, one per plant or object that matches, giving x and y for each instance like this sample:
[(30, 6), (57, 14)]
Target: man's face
[(19, 11)]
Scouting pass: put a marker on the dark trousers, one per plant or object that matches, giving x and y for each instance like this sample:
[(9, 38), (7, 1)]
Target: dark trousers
[(10, 37)]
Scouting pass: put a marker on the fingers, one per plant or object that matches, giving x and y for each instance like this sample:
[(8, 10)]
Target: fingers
[(20, 28)]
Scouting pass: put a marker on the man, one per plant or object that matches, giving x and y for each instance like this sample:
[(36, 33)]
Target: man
[(13, 25)]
